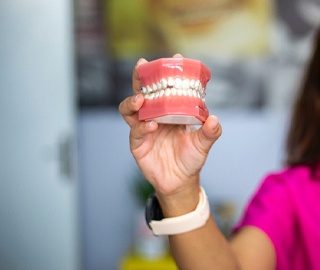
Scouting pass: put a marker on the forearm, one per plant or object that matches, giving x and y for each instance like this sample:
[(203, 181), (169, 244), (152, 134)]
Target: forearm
[(202, 248)]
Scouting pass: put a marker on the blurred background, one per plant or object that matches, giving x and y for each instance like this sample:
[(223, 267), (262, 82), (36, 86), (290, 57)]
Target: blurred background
[(71, 196)]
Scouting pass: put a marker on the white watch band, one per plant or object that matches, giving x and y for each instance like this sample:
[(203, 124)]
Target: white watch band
[(184, 223)]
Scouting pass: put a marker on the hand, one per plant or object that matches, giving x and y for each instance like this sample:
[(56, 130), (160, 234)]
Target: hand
[(169, 156)]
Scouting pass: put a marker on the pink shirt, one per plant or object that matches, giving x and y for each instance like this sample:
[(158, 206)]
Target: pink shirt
[(287, 208)]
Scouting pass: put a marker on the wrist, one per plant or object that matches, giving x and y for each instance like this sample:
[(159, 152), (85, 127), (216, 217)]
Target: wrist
[(180, 202)]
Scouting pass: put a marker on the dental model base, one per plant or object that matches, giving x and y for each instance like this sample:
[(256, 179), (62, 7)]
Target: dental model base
[(174, 90)]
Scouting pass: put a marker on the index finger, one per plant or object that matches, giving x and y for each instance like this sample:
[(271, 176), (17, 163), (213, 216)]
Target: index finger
[(135, 76)]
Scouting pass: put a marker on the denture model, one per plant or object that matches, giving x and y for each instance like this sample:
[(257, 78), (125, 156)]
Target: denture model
[(174, 90)]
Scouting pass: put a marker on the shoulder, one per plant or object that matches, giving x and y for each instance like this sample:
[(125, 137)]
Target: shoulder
[(271, 201), (279, 193), (278, 196)]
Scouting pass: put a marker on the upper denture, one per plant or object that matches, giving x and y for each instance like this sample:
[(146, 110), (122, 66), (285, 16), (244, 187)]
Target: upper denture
[(173, 76)]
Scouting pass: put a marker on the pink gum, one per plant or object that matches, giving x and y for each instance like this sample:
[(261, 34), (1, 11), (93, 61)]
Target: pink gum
[(183, 106), (151, 72)]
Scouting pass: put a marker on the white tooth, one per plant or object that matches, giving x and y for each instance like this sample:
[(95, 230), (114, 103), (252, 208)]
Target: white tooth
[(179, 92), (192, 83), (168, 92), (149, 89), (158, 86), (157, 94), (178, 83), (170, 81), (154, 87), (198, 95), (161, 93), (184, 92), (186, 84), (194, 93), (152, 95), (190, 92), (164, 83), (197, 84), (147, 96), (143, 90), (173, 91)]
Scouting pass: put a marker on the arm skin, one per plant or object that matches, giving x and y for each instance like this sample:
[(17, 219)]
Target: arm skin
[(171, 158)]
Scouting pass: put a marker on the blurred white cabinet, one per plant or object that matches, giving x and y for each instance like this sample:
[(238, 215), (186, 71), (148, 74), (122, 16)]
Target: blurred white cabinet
[(39, 224)]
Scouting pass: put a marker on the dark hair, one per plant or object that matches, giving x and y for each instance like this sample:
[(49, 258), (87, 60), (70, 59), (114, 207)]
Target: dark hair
[(303, 141)]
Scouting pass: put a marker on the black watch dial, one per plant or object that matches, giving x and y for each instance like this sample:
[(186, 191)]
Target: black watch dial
[(153, 210)]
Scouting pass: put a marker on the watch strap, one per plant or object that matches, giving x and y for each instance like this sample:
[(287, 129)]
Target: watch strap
[(180, 224)]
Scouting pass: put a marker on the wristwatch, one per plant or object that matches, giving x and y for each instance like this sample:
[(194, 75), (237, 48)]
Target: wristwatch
[(176, 225)]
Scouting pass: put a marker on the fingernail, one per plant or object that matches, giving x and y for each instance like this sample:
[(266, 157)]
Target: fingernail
[(149, 124), (134, 98), (140, 61)]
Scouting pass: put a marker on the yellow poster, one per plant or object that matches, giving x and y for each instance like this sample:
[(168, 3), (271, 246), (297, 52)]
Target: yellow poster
[(195, 28)]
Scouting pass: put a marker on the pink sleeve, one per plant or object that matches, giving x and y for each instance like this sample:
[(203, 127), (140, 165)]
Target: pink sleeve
[(270, 210)]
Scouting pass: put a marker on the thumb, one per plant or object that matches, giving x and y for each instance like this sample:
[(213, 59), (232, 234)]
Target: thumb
[(208, 134)]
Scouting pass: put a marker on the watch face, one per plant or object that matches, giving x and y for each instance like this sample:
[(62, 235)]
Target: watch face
[(153, 210)]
